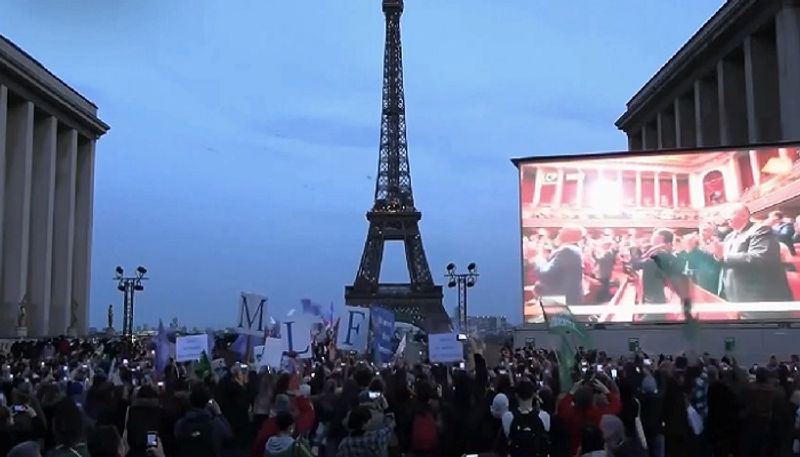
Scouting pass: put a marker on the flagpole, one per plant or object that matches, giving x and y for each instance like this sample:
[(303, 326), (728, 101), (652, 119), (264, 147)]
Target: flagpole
[(544, 314), (247, 352)]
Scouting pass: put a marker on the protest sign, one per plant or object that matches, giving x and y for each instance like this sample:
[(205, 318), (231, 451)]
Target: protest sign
[(445, 348), (383, 332), (296, 336), (251, 314), (269, 354), (353, 329), (190, 348)]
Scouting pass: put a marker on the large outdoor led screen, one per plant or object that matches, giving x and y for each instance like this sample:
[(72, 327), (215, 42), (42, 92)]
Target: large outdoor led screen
[(625, 237)]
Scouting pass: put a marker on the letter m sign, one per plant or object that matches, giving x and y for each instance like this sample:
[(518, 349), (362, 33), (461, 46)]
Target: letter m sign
[(251, 314)]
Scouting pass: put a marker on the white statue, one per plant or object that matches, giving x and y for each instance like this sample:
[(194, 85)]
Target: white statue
[(22, 314), (73, 315)]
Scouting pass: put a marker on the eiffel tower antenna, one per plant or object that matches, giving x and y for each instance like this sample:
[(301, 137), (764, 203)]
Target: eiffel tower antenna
[(393, 216)]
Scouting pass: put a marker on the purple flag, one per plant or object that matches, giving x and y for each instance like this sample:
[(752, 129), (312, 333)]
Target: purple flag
[(309, 307), (162, 349), (240, 345)]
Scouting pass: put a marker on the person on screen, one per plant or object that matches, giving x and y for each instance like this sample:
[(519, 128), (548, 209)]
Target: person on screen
[(657, 265), (700, 265), (561, 273), (605, 256), (751, 261), (784, 230)]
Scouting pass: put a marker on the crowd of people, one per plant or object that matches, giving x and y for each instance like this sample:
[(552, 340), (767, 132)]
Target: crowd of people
[(735, 257), (96, 398)]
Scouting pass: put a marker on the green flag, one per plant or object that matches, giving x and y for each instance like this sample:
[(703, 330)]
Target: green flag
[(560, 321), (203, 367), (566, 363)]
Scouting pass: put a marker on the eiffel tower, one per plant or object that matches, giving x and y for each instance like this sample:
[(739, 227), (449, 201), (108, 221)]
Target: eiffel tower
[(393, 216)]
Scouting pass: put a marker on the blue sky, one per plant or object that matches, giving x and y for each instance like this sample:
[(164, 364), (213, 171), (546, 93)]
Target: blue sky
[(243, 141)]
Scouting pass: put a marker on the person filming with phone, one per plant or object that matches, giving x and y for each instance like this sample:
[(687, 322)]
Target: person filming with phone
[(203, 430)]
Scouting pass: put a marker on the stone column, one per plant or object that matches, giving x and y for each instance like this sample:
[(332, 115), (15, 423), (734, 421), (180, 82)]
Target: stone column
[(685, 136), (559, 196), (6, 312), (787, 32), (84, 196), (650, 135), (706, 109), (755, 167), (579, 187), (674, 190), (63, 230), (635, 140), (17, 228), (638, 188), (42, 198), (735, 188), (656, 190), (696, 191), (784, 154), (761, 83), (666, 129), (537, 187), (732, 104)]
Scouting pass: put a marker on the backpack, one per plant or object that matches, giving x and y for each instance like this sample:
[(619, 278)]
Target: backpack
[(424, 433), (196, 438), (527, 436)]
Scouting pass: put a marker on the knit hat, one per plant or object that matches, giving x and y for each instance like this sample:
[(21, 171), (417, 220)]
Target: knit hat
[(499, 405), (26, 449), (649, 385), (613, 428)]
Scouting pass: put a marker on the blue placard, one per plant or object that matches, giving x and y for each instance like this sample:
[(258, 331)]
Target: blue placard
[(383, 331)]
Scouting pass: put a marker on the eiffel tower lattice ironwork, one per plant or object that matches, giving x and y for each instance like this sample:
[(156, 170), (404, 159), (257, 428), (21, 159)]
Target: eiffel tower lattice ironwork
[(394, 216)]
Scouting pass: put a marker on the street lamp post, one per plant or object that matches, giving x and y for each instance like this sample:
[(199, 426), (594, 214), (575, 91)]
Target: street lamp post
[(128, 285), (463, 281)]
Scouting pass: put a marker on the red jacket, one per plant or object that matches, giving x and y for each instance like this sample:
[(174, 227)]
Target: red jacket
[(575, 420), (304, 418)]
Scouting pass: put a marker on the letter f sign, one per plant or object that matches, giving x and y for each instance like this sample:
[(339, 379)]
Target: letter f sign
[(251, 314), (351, 325)]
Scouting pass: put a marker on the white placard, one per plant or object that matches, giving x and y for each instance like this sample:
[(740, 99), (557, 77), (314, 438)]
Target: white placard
[(251, 314), (296, 336), (445, 348), (269, 355), (190, 348), (353, 331)]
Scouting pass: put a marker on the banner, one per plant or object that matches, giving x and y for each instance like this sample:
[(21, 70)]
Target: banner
[(190, 348), (445, 348), (353, 331), (383, 332), (251, 314), (296, 336)]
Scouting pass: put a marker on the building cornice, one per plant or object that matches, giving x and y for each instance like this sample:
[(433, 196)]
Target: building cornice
[(27, 71), (687, 57)]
